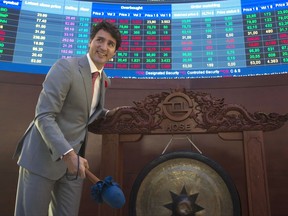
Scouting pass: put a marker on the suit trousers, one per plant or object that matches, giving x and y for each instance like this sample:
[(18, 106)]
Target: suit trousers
[(39, 196)]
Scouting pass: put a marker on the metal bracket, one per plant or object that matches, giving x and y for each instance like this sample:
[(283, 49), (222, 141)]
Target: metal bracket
[(181, 137)]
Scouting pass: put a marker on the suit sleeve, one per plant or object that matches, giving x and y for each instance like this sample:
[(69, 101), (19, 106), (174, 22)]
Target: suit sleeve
[(55, 89)]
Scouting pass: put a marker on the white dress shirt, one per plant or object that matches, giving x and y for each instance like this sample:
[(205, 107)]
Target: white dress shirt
[(95, 99)]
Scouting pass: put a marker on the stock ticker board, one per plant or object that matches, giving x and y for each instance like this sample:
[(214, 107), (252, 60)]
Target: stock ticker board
[(200, 39)]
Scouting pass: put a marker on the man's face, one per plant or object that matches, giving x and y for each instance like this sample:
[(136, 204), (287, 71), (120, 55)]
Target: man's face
[(102, 48)]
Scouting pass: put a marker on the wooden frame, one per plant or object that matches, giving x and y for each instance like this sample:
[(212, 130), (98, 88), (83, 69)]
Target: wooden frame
[(189, 112)]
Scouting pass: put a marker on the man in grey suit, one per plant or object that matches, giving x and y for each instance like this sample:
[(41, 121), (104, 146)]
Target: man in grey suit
[(51, 152)]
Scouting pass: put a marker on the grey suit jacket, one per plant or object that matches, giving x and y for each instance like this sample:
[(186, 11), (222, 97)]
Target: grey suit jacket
[(61, 117)]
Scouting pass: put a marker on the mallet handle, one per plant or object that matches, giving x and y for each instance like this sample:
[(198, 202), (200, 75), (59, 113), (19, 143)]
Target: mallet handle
[(91, 176)]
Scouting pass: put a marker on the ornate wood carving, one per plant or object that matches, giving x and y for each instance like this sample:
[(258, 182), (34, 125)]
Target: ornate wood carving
[(181, 111)]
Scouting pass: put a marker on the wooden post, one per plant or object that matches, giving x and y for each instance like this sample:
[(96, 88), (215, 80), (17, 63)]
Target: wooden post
[(257, 186), (111, 165)]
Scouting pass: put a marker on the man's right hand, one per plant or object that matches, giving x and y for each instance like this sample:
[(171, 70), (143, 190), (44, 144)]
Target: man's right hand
[(71, 160)]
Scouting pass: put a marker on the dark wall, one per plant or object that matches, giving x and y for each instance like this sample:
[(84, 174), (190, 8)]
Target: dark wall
[(18, 96)]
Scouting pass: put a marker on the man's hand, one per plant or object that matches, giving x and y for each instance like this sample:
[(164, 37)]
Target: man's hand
[(71, 160), (113, 111)]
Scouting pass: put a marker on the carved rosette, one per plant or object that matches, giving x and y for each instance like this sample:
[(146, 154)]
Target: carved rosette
[(182, 111)]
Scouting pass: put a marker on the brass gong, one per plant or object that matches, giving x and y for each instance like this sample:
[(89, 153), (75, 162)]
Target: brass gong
[(184, 184)]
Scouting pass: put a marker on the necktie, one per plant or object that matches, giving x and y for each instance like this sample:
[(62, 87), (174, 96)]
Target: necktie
[(94, 77)]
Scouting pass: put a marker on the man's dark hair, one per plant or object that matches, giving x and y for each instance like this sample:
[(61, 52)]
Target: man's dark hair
[(108, 27)]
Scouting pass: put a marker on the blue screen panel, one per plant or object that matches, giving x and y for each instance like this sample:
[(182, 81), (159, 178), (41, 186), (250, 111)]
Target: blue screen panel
[(162, 40)]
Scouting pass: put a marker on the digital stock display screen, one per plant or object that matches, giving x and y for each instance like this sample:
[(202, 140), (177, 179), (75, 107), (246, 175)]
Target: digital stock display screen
[(196, 39)]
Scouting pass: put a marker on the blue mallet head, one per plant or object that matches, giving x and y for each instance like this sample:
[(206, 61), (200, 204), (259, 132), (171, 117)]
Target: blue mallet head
[(109, 192)]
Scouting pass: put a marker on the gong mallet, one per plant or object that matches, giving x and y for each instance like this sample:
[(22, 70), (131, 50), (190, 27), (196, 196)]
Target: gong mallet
[(106, 190)]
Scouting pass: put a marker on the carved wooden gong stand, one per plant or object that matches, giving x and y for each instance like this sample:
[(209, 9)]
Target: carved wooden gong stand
[(188, 112)]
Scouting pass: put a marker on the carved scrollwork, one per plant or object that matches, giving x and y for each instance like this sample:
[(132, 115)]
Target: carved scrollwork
[(180, 107), (125, 121)]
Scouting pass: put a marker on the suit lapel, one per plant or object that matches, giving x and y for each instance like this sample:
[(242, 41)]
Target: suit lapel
[(84, 69), (102, 89)]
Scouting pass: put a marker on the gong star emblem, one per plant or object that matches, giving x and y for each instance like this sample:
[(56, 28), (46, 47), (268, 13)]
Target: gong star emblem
[(183, 204)]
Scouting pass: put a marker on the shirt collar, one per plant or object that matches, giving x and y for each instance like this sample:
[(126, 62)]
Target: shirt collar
[(93, 67)]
